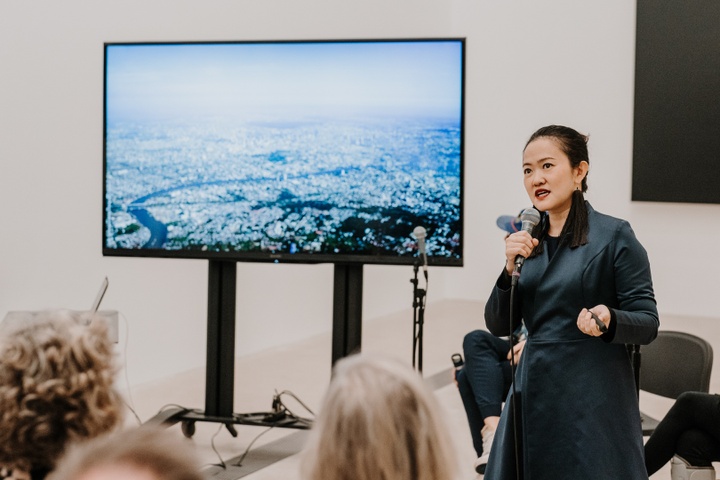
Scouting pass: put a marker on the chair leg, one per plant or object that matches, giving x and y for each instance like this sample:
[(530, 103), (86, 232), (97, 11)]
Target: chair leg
[(681, 470)]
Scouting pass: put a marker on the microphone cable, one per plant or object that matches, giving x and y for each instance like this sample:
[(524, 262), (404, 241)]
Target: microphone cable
[(513, 368), (530, 219)]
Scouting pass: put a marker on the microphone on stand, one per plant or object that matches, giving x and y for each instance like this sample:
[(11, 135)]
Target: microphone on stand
[(419, 297), (530, 217), (420, 234)]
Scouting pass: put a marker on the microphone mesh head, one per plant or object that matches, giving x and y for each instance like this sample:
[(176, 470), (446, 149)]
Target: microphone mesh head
[(529, 218), (419, 232)]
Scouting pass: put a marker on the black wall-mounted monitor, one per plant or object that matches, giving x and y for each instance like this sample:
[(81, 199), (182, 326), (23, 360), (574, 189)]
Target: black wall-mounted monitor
[(290, 151)]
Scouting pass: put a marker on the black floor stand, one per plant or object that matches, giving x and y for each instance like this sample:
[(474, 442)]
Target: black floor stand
[(418, 321), (347, 310), (220, 373), (220, 370)]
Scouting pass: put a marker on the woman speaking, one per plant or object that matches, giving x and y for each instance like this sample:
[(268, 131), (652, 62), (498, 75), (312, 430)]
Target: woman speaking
[(584, 293)]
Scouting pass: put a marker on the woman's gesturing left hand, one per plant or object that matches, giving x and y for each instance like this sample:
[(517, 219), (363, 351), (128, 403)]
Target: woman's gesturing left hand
[(587, 324)]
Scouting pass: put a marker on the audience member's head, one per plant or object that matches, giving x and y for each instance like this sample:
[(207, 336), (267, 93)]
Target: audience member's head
[(378, 422), (141, 453), (56, 387)]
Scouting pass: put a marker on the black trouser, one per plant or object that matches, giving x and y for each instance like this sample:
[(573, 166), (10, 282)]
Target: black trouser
[(484, 381), (691, 430)]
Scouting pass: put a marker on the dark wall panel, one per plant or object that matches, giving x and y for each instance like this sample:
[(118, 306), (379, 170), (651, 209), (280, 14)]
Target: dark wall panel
[(676, 149)]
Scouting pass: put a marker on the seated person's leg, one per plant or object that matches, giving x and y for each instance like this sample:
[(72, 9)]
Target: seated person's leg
[(691, 411), (488, 370), (475, 420), (486, 378), (698, 448)]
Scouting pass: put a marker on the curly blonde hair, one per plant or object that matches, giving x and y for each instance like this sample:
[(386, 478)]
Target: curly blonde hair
[(56, 387), (378, 422)]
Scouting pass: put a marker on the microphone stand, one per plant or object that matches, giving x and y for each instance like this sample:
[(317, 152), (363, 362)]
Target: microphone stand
[(418, 319)]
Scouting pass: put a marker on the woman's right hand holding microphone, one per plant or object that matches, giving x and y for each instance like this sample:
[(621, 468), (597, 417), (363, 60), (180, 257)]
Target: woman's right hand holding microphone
[(518, 243)]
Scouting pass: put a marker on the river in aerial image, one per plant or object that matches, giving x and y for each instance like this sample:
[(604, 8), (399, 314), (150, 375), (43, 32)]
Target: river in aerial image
[(158, 230)]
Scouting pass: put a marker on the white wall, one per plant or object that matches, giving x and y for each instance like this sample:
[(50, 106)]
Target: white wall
[(529, 63)]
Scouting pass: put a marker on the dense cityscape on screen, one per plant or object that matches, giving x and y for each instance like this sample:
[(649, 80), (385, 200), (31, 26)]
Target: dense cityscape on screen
[(289, 181), (249, 190)]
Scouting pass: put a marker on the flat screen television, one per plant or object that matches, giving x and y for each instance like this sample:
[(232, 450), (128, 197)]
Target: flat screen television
[(285, 151)]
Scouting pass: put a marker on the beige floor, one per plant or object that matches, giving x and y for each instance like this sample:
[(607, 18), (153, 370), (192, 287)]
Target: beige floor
[(303, 368)]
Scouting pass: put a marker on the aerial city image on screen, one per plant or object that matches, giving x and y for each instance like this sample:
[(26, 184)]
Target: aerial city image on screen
[(288, 148)]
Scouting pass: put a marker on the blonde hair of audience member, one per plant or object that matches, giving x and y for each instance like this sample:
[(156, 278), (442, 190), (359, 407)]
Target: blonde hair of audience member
[(56, 387), (140, 453), (378, 422)]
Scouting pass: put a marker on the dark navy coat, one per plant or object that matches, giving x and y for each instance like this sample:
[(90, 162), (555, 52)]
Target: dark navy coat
[(576, 402)]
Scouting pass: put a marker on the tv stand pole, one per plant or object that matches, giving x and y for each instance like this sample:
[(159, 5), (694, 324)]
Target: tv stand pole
[(347, 310), (220, 369)]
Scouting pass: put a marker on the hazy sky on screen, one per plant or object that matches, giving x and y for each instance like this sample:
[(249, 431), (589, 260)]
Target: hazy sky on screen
[(251, 80)]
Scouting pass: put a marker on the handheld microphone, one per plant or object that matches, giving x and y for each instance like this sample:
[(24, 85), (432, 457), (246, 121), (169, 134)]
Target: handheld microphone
[(420, 235), (529, 218)]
